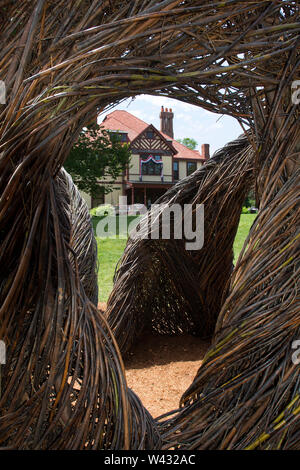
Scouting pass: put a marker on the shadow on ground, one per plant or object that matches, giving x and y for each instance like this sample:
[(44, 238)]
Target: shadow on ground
[(153, 350)]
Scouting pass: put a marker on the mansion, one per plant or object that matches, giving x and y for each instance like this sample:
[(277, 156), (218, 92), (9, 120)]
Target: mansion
[(158, 161)]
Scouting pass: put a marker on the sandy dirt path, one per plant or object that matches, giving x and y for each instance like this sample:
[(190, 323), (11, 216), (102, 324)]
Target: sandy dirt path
[(160, 368)]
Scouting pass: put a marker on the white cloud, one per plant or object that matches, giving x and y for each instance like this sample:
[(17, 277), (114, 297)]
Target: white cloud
[(157, 101), (216, 125), (187, 117)]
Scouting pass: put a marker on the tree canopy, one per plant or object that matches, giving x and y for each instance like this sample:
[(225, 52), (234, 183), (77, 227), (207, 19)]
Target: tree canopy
[(188, 142), (97, 155)]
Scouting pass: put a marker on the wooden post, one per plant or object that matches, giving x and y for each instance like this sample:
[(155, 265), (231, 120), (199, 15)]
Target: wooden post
[(132, 195), (145, 196)]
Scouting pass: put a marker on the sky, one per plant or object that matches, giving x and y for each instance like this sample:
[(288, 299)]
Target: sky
[(189, 120)]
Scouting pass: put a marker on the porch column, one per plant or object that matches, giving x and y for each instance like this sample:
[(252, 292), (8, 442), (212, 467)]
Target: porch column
[(132, 194), (145, 196)]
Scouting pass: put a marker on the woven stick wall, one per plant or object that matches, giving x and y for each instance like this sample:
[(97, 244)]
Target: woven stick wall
[(57, 383), (80, 236), (254, 401), (63, 385), (162, 285)]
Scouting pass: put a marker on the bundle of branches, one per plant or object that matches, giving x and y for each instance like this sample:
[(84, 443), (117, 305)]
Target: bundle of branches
[(99, 53), (63, 385), (246, 393), (163, 285), (81, 237), (62, 359)]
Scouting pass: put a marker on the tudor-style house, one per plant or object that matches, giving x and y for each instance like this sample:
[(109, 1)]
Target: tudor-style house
[(158, 161)]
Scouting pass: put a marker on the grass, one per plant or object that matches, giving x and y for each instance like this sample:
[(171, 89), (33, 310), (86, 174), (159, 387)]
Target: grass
[(110, 251), (246, 221)]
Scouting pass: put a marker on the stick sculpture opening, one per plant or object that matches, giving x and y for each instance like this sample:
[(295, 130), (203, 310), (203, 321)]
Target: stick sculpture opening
[(63, 385)]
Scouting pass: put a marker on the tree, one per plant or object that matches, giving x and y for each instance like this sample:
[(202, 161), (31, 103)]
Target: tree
[(188, 142), (96, 155), (250, 199)]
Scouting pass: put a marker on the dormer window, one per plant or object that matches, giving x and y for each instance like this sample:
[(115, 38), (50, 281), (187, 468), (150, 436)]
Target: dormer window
[(119, 136), (122, 137)]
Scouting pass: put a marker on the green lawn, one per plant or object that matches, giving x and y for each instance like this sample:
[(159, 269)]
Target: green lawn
[(109, 253), (110, 250), (246, 221)]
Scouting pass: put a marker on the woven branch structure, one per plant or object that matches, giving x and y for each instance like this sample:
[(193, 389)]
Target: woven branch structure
[(80, 237), (161, 285), (63, 385), (253, 402)]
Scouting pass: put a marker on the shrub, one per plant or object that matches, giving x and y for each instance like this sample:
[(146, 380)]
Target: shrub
[(102, 210)]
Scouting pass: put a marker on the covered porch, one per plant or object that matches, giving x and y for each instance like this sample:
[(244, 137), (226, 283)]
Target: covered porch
[(145, 193)]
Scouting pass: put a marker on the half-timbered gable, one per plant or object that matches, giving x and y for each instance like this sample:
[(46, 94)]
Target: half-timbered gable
[(150, 140)]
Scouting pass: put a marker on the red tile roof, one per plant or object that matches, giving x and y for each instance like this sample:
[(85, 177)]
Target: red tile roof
[(120, 120), (124, 121), (183, 151)]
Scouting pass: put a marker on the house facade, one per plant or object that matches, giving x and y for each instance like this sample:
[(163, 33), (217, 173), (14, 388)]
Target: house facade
[(158, 161)]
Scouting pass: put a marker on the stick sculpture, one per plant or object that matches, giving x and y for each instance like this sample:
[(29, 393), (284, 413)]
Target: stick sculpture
[(63, 384)]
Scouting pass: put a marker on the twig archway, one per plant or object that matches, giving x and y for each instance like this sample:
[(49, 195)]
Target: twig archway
[(63, 385)]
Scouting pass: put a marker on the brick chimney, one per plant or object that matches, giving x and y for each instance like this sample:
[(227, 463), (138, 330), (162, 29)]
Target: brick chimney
[(166, 122), (205, 151)]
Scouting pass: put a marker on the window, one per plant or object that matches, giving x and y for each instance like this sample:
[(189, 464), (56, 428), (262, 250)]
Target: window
[(151, 167), (122, 137), (176, 171), (118, 136), (191, 167), (150, 134)]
